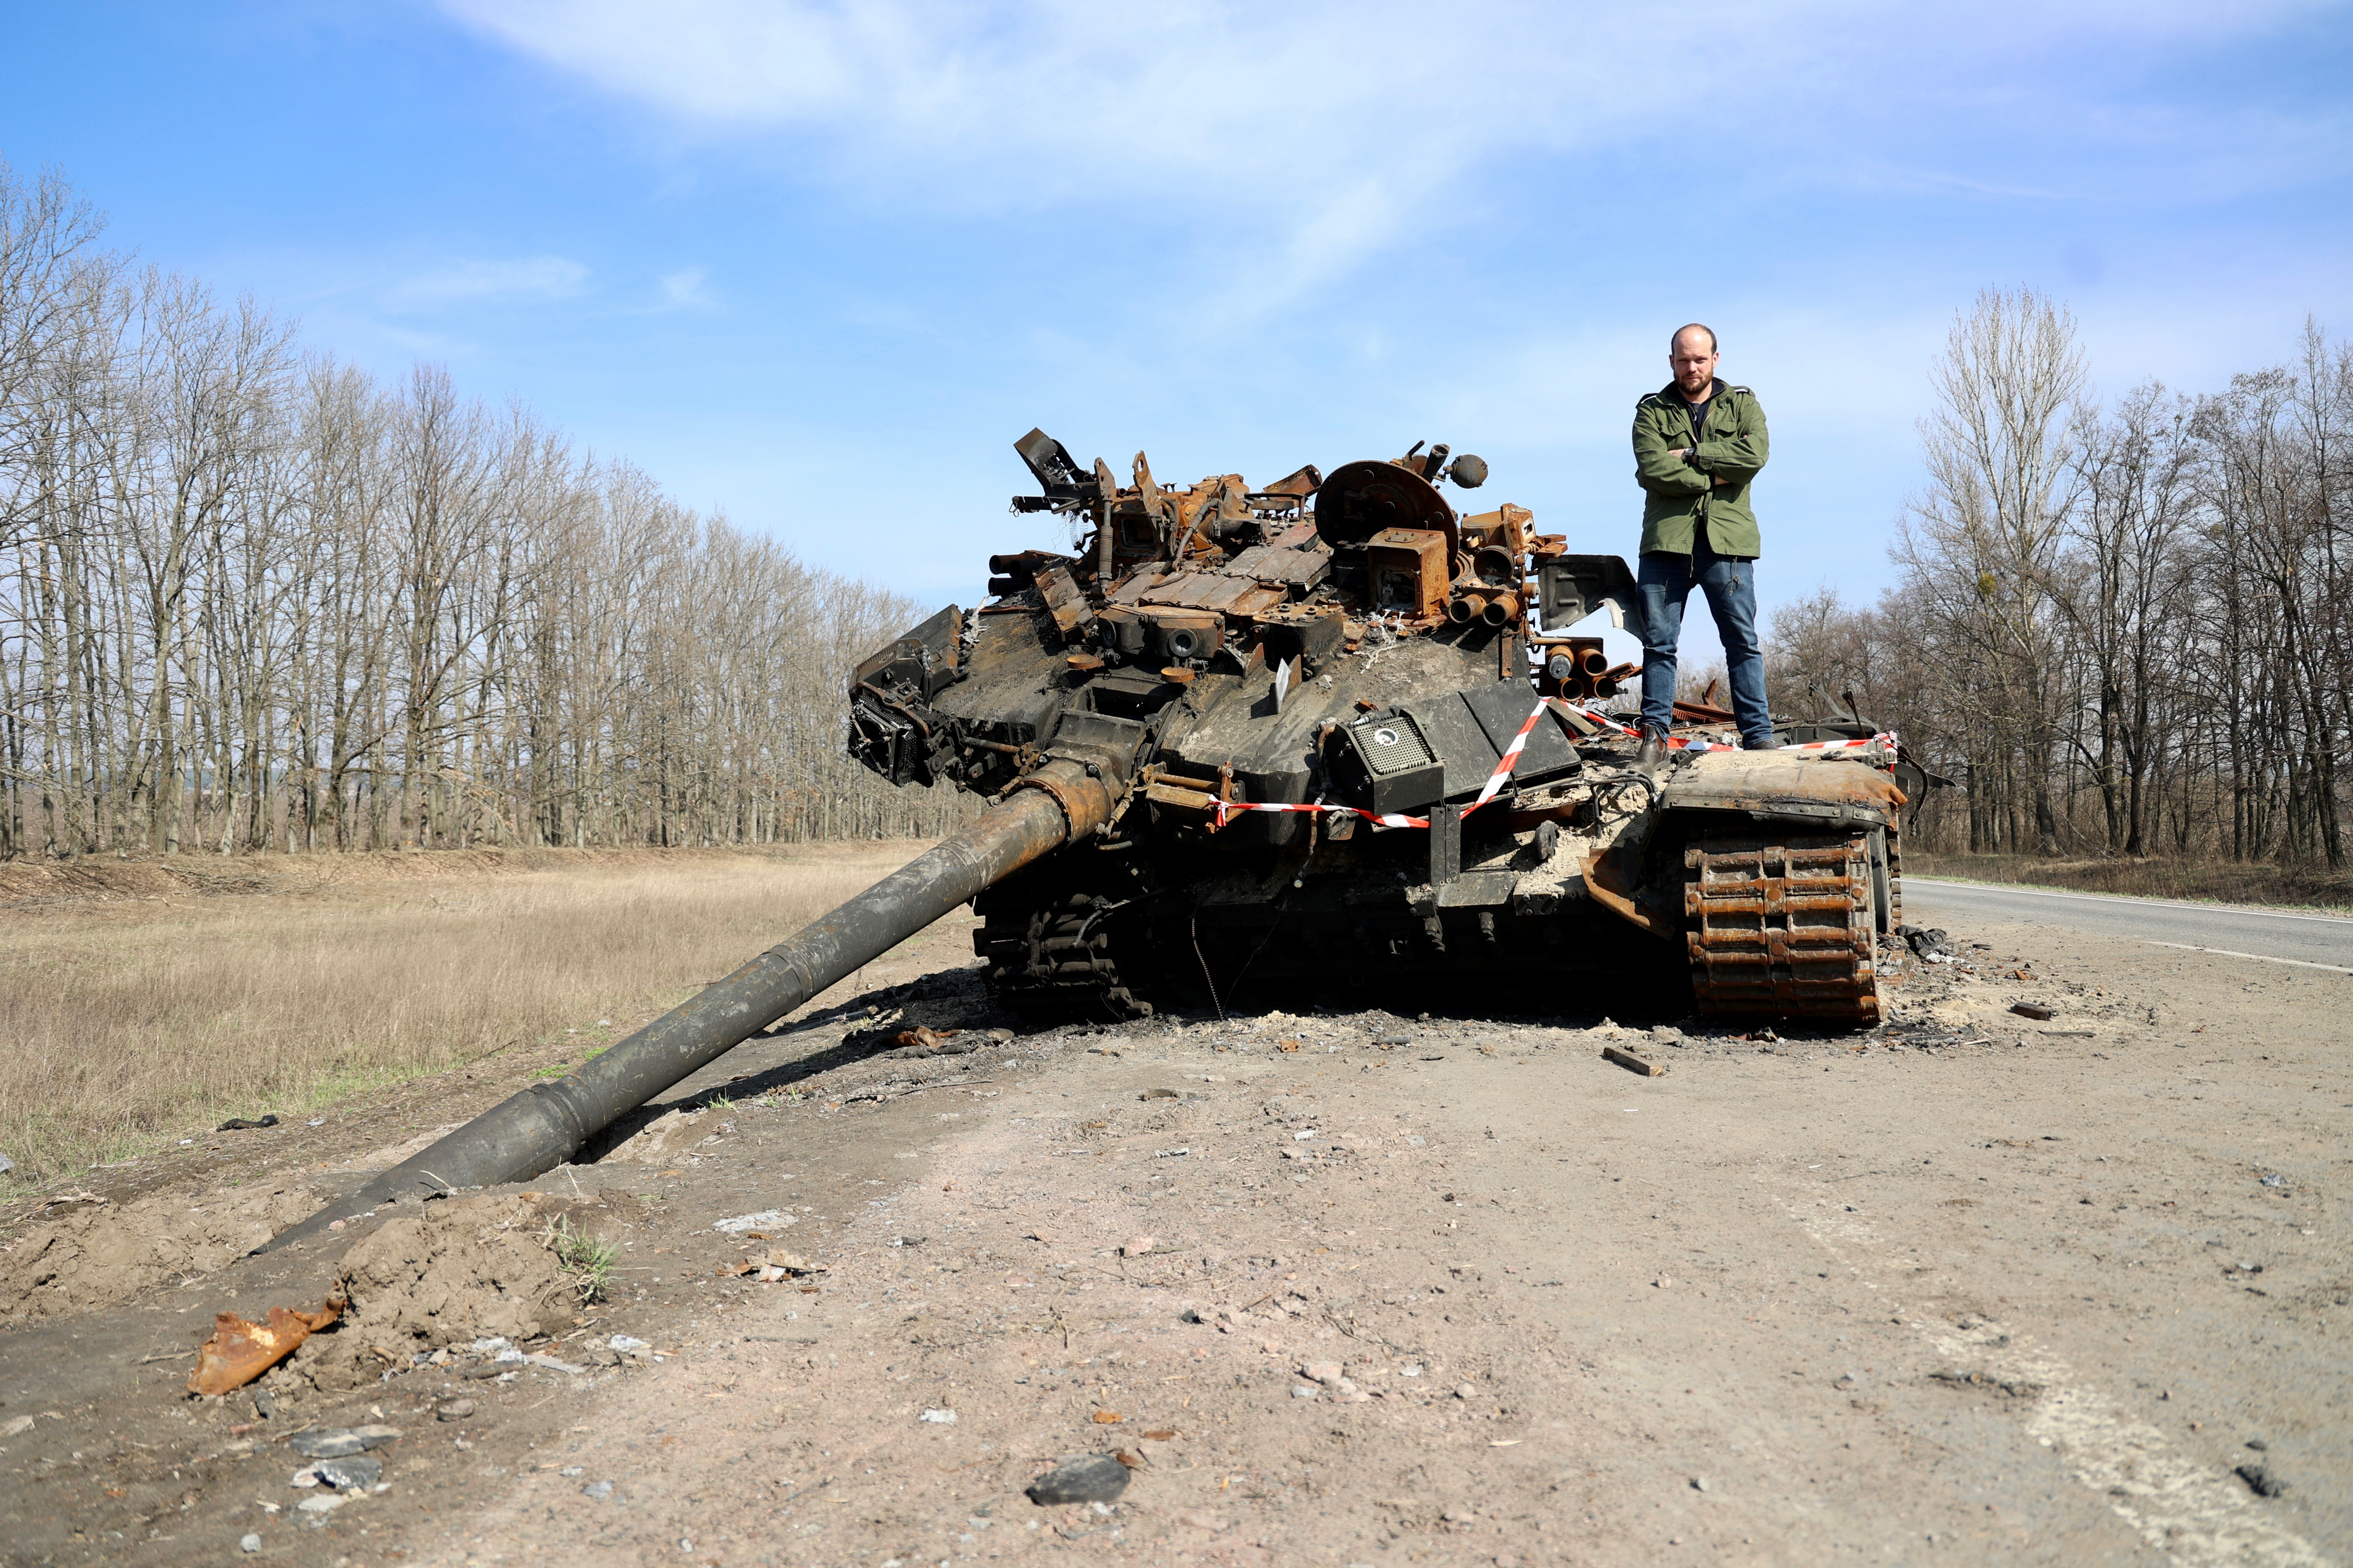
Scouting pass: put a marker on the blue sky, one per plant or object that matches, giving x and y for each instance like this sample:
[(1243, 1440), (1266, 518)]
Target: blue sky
[(815, 266)]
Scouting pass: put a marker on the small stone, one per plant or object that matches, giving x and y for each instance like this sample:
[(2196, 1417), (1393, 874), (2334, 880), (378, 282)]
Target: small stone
[(573, 1472), (354, 1473), (2258, 1444), (335, 1444), (326, 1502), (1304, 1391), (456, 1410), (1138, 1246), (1326, 1373), (940, 1418), (249, 1544), (1700, 1484), (1464, 1391), (600, 1490), (1080, 1478), (766, 1219), (2261, 1481)]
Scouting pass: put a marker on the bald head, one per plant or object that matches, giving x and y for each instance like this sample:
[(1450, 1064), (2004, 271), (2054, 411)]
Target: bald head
[(1690, 354)]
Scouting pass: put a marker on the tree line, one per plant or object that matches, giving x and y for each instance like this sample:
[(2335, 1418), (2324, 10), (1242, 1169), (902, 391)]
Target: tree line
[(2124, 628), (252, 598)]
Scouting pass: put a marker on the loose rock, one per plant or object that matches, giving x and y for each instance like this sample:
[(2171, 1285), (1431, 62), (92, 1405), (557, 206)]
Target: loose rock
[(335, 1444), (1080, 1478), (353, 1472), (766, 1219), (2262, 1481)]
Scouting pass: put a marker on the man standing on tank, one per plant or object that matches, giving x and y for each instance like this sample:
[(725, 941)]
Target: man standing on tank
[(1698, 444)]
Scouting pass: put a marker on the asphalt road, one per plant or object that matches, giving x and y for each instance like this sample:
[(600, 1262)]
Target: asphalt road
[(2276, 936)]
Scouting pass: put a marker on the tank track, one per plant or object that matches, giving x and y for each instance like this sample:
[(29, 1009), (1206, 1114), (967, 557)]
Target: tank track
[(1057, 955), (1783, 923)]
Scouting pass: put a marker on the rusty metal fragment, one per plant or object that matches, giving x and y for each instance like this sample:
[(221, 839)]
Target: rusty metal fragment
[(241, 1351)]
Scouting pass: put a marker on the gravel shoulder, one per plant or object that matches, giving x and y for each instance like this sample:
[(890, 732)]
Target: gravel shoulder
[(1358, 1289)]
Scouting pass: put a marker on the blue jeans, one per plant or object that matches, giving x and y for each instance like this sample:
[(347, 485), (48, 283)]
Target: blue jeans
[(1666, 581)]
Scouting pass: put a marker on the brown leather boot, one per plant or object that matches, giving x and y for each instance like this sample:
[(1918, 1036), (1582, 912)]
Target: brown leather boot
[(1652, 754)]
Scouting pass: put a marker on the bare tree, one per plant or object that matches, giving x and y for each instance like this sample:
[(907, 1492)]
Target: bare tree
[(250, 601), (1981, 547)]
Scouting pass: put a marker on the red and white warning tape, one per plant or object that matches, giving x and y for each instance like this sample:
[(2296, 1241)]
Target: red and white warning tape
[(1504, 767), (1510, 759)]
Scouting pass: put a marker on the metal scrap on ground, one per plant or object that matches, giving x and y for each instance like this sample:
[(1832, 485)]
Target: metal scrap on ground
[(240, 1350)]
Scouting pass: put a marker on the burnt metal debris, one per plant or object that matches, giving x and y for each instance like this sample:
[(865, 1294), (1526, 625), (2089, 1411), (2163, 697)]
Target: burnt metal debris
[(1324, 734), (1300, 697)]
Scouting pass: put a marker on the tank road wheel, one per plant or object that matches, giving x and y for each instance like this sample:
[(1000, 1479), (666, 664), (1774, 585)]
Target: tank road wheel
[(1783, 922), (1056, 957)]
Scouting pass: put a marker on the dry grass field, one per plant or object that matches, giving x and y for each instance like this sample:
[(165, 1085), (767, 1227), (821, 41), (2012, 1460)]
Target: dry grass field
[(139, 1005), (2223, 881)]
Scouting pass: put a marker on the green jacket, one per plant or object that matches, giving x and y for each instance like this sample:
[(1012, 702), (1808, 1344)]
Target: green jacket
[(1679, 492)]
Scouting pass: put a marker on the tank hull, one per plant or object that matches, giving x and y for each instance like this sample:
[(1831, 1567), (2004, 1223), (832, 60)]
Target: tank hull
[(1358, 748)]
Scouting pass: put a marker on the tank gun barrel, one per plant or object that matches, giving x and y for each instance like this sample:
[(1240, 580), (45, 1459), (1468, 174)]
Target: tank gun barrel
[(547, 1124)]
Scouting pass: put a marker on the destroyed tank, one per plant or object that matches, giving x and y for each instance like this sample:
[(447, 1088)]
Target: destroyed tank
[(1350, 744), (1328, 737)]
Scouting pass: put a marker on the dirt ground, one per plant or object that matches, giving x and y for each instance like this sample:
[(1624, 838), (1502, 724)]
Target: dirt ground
[(1341, 1289)]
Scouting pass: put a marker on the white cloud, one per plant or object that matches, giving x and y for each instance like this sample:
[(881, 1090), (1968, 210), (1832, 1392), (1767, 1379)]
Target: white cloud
[(683, 291), (1308, 135), (476, 281)]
